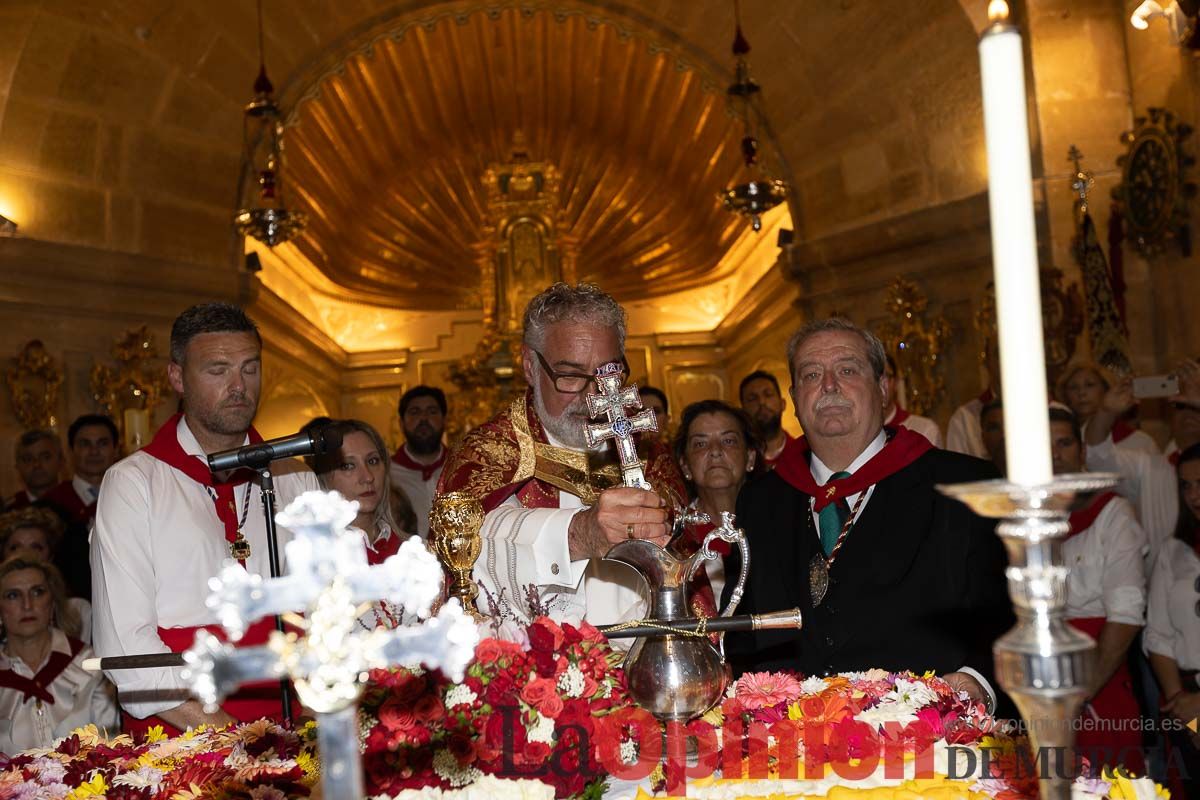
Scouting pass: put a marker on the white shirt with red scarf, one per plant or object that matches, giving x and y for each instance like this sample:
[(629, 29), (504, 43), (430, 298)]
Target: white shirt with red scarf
[(418, 482), (1172, 620), (1107, 578), (79, 698), (156, 542)]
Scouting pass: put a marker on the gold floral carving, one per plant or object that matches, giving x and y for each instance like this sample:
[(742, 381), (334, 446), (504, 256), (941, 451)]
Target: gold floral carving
[(917, 343), (33, 382), (133, 388), (1062, 321)]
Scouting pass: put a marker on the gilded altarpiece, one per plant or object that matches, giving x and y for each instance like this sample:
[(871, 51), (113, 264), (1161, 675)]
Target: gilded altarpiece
[(522, 249)]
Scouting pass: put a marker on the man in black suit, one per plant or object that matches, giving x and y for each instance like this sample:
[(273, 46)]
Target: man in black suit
[(850, 528)]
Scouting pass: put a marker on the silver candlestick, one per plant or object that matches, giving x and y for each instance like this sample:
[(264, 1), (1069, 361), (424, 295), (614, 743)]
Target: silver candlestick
[(1044, 664)]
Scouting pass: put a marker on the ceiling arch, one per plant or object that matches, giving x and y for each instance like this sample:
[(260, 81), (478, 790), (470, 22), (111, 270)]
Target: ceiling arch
[(389, 148)]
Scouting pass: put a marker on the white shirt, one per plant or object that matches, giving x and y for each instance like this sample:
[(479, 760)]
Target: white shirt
[(1107, 578), (525, 547), (156, 542), (1172, 624), (80, 698), (918, 424), (1148, 481), (86, 491), (419, 491), (964, 434)]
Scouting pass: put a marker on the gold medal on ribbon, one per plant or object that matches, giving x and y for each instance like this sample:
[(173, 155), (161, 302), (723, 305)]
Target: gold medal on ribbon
[(239, 548)]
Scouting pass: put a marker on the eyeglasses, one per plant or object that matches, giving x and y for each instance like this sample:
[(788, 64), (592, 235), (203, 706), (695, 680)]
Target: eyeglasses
[(574, 382)]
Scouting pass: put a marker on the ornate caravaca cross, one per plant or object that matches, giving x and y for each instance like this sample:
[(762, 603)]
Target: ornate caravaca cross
[(331, 581), (612, 402)]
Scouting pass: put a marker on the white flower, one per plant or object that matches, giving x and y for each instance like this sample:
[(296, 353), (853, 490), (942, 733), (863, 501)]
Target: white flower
[(365, 723), (571, 682), (448, 769), (460, 695), (141, 778), (813, 685), (542, 730), (49, 770), (628, 752), (914, 694)]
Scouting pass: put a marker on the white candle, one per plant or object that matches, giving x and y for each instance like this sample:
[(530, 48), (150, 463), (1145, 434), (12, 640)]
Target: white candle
[(1014, 253)]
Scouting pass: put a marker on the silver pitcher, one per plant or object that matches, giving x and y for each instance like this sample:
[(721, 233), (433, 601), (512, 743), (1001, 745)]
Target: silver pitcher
[(677, 677)]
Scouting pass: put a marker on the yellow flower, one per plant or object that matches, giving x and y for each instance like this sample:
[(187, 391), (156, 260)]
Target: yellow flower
[(714, 716), (156, 734), (794, 711), (1123, 786), (96, 787), (310, 765)]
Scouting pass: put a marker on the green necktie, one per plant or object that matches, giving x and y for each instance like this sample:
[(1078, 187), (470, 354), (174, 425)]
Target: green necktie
[(832, 517)]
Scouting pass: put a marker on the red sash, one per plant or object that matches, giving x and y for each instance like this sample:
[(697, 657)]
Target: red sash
[(987, 396), (253, 701), (899, 417), (402, 458), (788, 443), (39, 685), (166, 448), (1085, 517), (1174, 458), (903, 448), (66, 498), (1114, 702), (1122, 430), (383, 548)]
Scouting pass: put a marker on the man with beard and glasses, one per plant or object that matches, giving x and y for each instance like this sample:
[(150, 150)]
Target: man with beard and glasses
[(165, 524), (553, 509), (417, 464), (761, 399), (851, 529)]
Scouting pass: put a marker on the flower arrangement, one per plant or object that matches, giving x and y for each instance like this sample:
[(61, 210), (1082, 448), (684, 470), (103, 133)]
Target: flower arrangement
[(526, 709), (258, 760)]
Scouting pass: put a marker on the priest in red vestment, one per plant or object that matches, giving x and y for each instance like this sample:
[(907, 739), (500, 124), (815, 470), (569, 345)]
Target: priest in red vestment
[(850, 528), (554, 508)]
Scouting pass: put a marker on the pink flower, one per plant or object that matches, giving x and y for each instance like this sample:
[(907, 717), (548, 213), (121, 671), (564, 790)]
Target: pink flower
[(766, 689)]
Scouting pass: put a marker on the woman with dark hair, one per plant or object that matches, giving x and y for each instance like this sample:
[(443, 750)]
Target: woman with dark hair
[(717, 449), (1172, 637), (44, 691)]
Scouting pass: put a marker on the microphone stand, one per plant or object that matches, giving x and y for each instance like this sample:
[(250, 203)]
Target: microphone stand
[(268, 502)]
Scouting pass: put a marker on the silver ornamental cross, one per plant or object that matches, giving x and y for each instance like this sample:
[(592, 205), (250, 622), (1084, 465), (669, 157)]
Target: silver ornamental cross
[(612, 402), (331, 581)]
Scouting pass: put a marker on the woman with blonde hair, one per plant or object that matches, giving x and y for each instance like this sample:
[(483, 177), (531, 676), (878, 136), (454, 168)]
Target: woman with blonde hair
[(358, 471), (36, 533), (44, 691), (1083, 387)]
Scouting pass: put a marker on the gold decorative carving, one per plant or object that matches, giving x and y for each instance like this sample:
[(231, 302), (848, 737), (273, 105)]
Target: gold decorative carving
[(1062, 321), (522, 251), (132, 390), (33, 381), (916, 343)]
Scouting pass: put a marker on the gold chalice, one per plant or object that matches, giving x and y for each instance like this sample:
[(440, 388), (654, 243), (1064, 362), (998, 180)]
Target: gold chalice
[(454, 525)]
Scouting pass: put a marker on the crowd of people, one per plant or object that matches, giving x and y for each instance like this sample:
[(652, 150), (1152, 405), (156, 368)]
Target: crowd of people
[(845, 522)]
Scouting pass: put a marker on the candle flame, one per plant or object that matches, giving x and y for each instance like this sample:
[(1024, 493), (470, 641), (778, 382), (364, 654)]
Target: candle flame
[(997, 11)]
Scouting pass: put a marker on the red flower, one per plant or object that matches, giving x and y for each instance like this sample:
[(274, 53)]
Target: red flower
[(396, 716), (429, 709), (462, 747), (500, 691), (538, 691), (545, 635), (571, 634)]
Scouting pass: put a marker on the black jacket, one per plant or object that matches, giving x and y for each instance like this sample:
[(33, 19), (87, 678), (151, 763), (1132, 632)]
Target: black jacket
[(917, 585)]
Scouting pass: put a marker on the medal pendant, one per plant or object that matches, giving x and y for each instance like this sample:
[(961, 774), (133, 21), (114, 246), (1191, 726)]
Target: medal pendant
[(818, 579), (239, 548)]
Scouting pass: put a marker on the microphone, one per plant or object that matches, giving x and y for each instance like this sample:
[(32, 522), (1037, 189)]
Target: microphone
[(256, 456)]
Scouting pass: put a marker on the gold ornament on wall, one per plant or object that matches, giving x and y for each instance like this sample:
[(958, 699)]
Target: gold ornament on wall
[(33, 381), (917, 343), (133, 389), (1155, 194), (1062, 321)]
